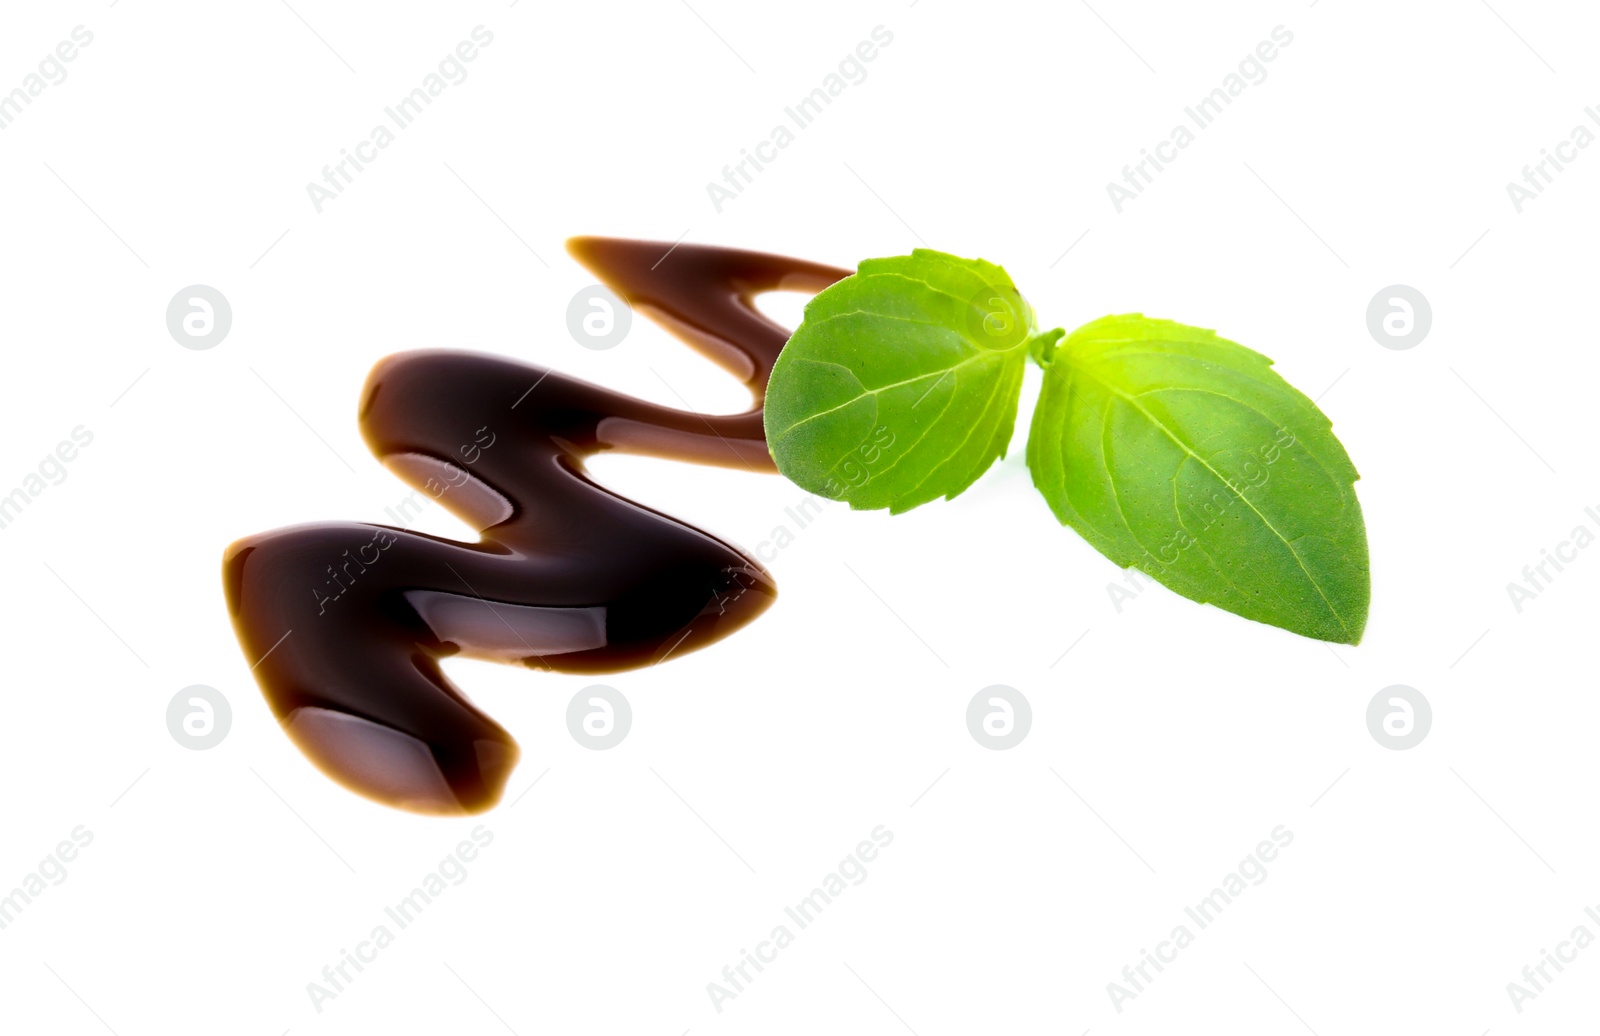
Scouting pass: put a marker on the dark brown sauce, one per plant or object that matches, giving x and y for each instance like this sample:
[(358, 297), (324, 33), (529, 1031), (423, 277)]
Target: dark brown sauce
[(568, 576)]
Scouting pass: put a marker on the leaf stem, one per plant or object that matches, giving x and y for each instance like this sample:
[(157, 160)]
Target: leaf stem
[(1042, 346)]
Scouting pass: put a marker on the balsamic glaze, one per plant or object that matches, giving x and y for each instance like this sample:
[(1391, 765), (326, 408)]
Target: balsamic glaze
[(567, 576)]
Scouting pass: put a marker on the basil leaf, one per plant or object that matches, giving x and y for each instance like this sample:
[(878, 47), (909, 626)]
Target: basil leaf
[(900, 385), (1186, 456)]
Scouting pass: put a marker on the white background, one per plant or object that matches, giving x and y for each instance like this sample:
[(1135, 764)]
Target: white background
[(1166, 744)]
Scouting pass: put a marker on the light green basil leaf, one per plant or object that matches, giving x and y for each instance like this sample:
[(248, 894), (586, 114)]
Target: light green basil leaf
[(1184, 455), (900, 385)]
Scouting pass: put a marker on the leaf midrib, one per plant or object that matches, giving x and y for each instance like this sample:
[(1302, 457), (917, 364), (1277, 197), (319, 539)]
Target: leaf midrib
[(865, 392)]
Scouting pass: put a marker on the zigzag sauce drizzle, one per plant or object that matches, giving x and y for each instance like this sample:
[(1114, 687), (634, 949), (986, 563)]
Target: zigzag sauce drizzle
[(567, 575)]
